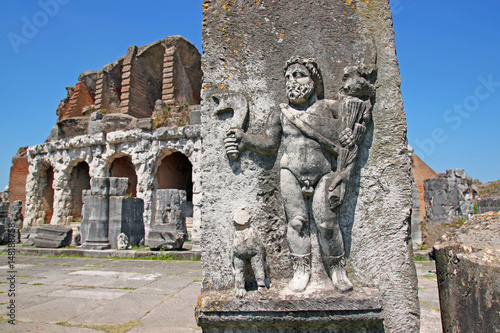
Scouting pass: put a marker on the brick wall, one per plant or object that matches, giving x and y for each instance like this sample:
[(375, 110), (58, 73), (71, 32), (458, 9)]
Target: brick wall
[(18, 173), (421, 172)]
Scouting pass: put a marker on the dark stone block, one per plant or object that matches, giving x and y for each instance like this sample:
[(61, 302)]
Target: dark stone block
[(53, 236), (126, 216), (468, 272)]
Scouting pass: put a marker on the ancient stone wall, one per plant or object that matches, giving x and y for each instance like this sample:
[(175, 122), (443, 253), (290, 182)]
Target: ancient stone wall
[(448, 197), (167, 71), (488, 204), (18, 175), (98, 151)]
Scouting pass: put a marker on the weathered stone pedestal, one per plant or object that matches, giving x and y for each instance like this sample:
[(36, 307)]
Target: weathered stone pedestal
[(359, 311), (168, 231)]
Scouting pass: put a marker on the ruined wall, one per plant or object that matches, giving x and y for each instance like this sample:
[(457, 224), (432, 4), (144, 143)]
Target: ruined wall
[(146, 149), (165, 72), (448, 197), (18, 174), (421, 172)]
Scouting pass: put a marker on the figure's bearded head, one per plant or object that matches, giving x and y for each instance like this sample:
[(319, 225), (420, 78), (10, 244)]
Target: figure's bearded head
[(303, 78)]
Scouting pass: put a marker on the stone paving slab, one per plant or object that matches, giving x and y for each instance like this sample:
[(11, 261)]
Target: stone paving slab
[(159, 294), (430, 316)]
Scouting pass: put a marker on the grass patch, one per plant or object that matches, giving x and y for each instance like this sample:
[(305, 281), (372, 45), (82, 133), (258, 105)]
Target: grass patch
[(96, 266), (106, 328), (128, 288), (38, 284), (23, 276), (420, 257), (429, 276)]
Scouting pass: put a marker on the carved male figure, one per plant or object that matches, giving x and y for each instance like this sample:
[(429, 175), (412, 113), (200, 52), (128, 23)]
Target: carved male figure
[(319, 138)]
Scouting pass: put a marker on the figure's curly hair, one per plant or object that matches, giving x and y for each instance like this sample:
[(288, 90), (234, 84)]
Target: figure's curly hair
[(313, 68)]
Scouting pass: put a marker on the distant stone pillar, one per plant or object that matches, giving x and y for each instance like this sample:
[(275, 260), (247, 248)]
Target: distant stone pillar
[(416, 223)]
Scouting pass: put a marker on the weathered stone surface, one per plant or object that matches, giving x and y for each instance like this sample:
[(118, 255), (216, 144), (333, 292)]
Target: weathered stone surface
[(94, 228), (118, 186), (468, 272), (448, 197), (53, 236), (18, 175), (416, 223), (489, 204), (72, 127), (359, 311), (28, 235), (125, 217), (169, 229), (246, 45)]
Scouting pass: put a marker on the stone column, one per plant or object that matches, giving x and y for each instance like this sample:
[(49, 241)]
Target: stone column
[(95, 222)]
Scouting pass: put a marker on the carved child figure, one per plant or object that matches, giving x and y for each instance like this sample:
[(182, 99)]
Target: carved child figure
[(247, 248)]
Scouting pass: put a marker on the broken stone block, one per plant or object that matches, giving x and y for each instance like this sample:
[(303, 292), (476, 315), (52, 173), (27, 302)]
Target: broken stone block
[(28, 235), (165, 240), (126, 216), (169, 229), (490, 204), (118, 186), (53, 236), (468, 272)]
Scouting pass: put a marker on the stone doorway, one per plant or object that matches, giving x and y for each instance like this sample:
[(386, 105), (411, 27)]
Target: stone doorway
[(79, 181), (123, 167)]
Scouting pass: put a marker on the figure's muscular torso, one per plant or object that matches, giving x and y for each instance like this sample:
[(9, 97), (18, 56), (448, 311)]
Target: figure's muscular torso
[(302, 155)]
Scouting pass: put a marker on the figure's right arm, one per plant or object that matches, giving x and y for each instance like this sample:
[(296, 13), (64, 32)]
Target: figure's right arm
[(265, 144)]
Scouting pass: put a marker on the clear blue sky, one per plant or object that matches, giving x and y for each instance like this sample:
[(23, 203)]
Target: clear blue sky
[(448, 52)]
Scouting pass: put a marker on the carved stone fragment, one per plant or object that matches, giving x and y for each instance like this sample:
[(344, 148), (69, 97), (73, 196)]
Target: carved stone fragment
[(247, 250)]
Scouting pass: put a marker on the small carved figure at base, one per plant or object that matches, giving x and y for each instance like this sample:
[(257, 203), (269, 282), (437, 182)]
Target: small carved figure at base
[(247, 248)]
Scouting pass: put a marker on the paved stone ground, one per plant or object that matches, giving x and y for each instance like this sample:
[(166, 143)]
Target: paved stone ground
[(68, 294), (430, 315)]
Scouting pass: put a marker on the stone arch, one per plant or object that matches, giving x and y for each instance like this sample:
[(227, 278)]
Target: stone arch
[(175, 171), (122, 166), (79, 180)]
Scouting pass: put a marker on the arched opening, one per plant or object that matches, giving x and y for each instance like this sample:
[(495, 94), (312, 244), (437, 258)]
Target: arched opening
[(80, 180), (123, 167), (175, 171), (48, 194)]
